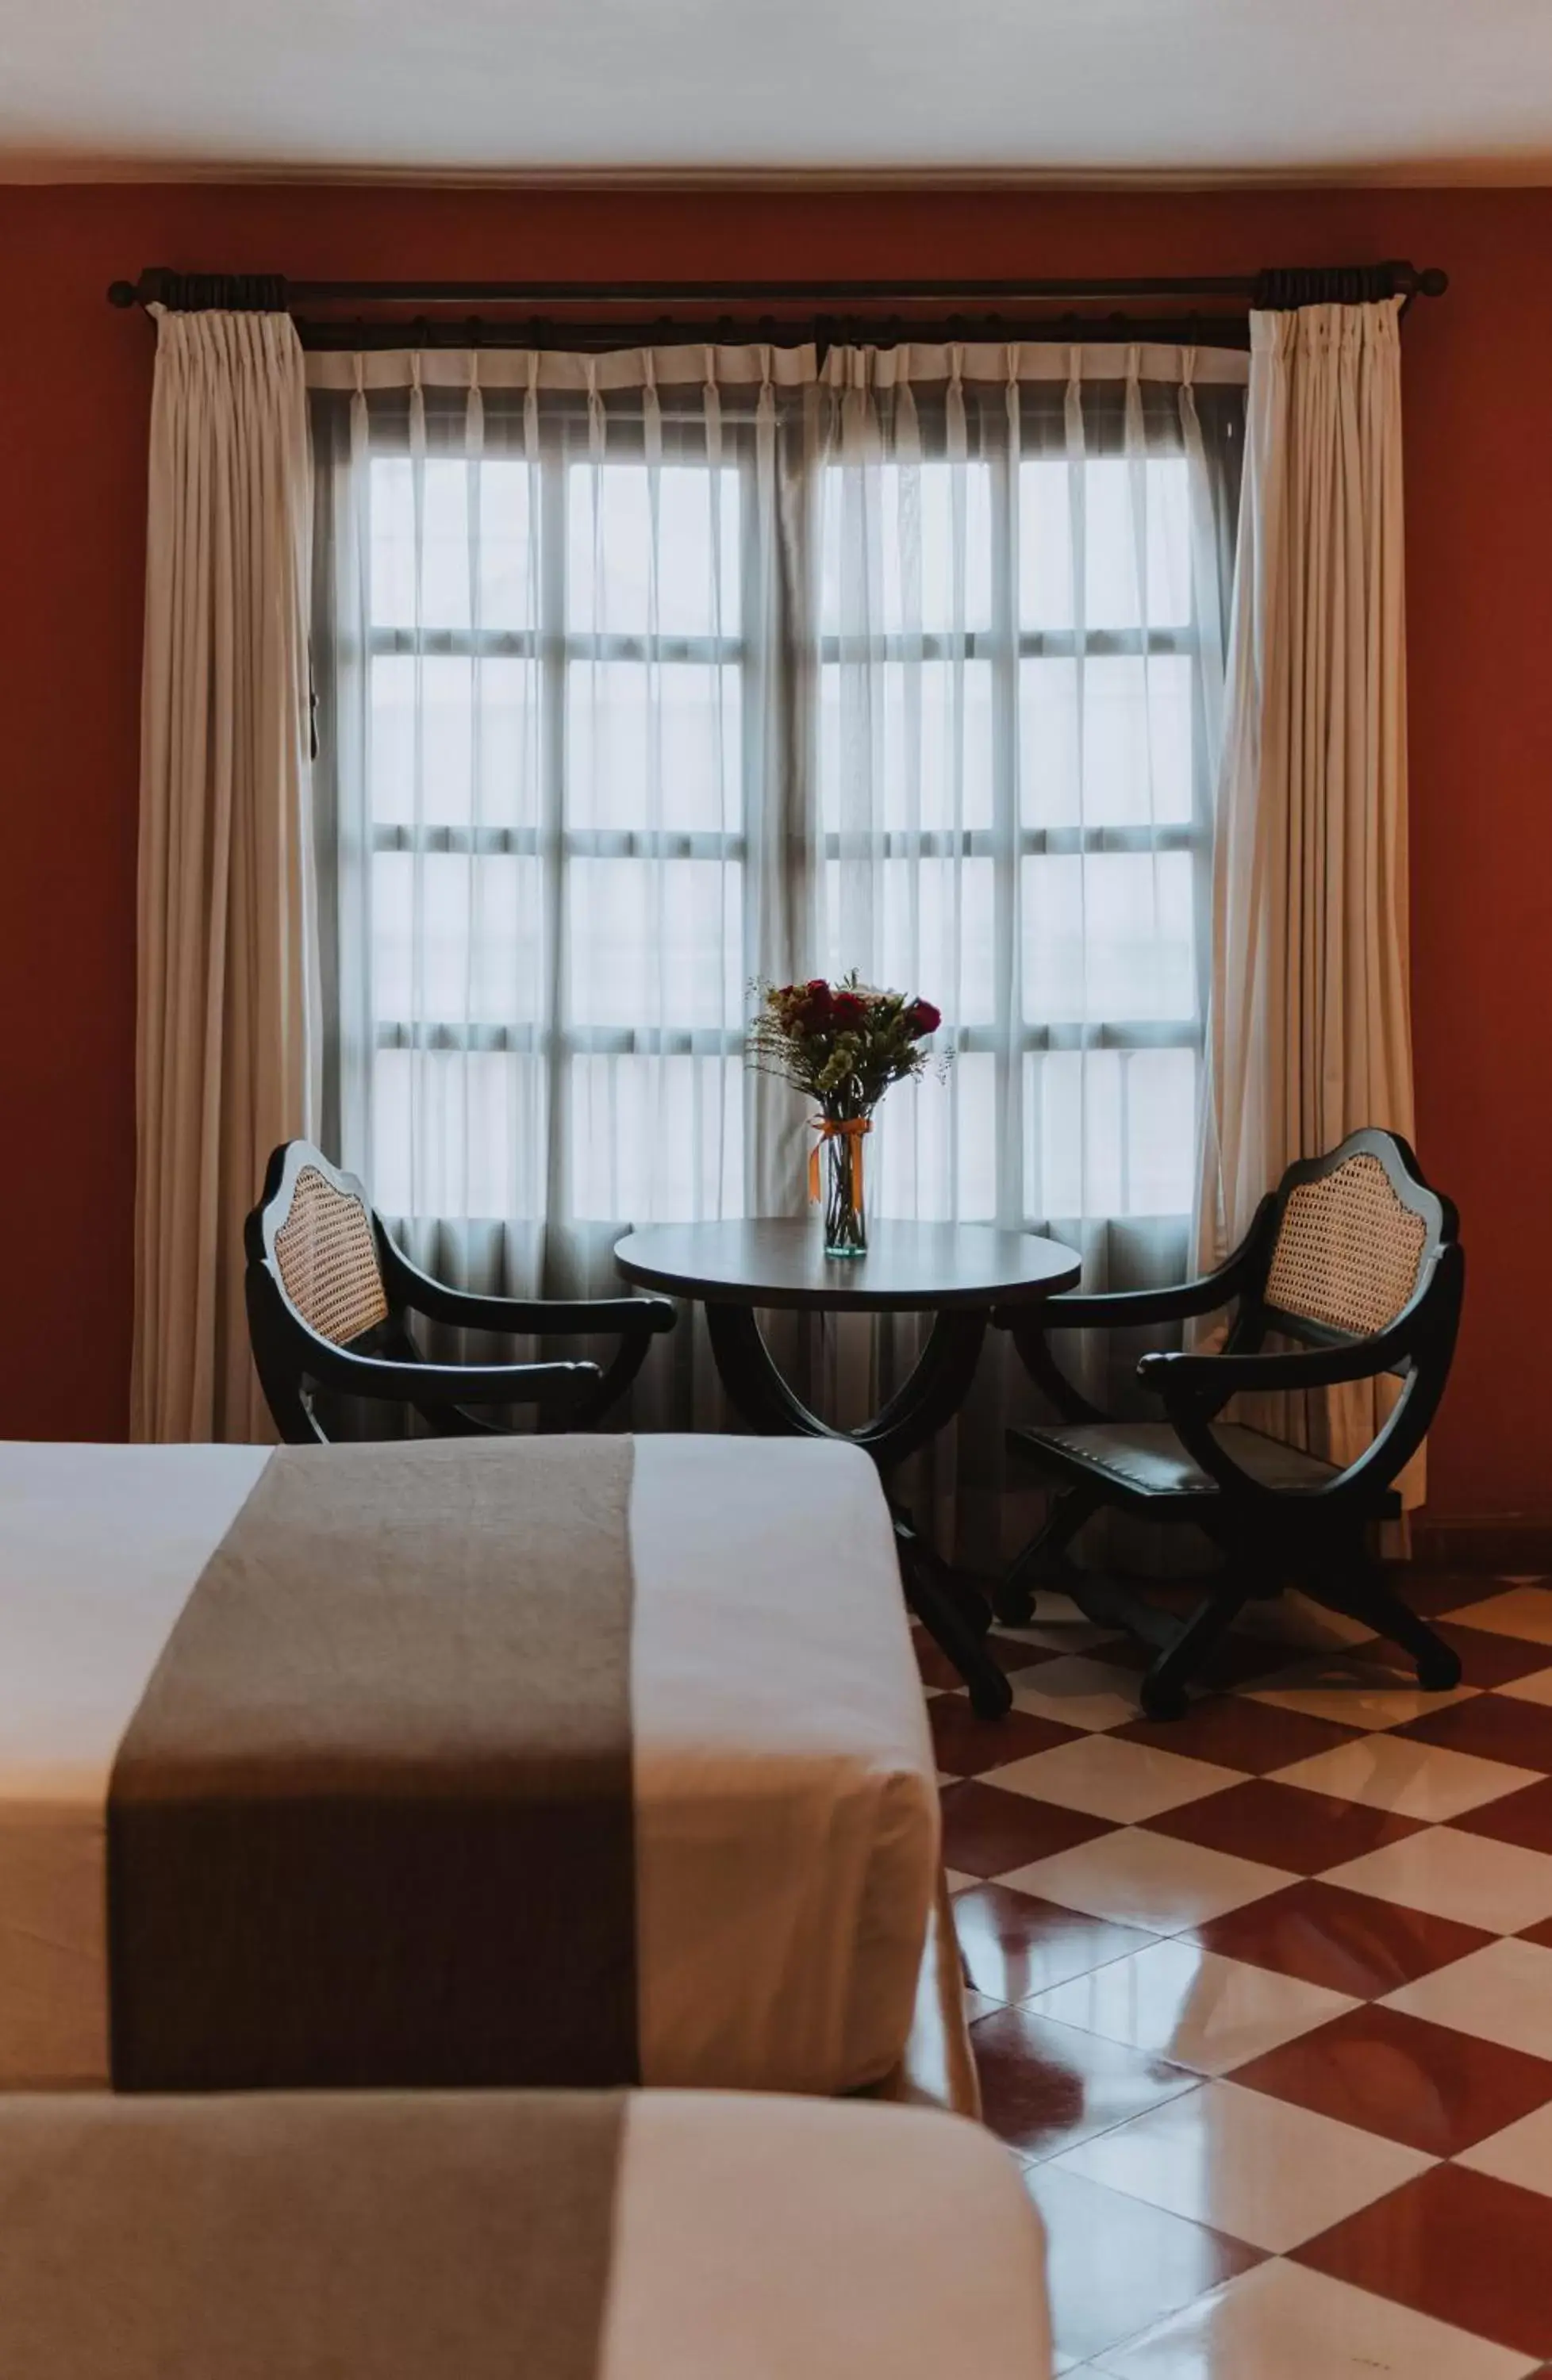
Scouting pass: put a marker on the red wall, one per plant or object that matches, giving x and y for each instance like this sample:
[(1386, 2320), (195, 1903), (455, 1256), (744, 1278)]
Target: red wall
[(74, 379)]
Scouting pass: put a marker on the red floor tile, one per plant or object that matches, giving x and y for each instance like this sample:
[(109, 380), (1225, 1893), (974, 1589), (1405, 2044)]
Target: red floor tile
[(1427, 2086), (1495, 1727), (936, 1668), (1432, 1592), (1116, 2264), (967, 1745), (1012, 1653), (1524, 1817), (1455, 2244), (1016, 1944), (1235, 1661), (1044, 2086), (1238, 1733), (986, 1832), (1487, 1659), (1283, 1826), (1541, 1933), (1349, 1942)]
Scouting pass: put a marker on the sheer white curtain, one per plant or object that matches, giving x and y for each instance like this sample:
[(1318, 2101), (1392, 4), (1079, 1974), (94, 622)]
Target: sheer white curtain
[(550, 654), (227, 1037), (1025, 562), (644, 674), (1311, 1032)]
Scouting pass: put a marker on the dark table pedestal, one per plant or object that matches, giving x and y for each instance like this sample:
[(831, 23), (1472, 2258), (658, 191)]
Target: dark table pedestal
[(957, 1272)]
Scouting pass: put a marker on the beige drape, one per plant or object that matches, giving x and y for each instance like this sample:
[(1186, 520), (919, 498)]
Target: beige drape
[(226, 987), (1309, 1033)]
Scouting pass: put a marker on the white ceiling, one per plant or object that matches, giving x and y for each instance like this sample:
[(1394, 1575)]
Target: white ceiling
[(1405, 90)]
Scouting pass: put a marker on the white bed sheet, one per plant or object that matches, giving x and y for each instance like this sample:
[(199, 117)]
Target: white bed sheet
[(786, 1808)]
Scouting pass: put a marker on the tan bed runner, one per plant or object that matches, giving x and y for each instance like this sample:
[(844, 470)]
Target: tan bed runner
[(424, 2239), (371, 1824)]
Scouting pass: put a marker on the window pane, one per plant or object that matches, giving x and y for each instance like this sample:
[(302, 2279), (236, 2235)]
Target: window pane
[(933, 1147), (458, 1134), (472, 558), (1107, 938), (653, 745), (1136, 752), (920, 732), (652, 553), (1109, 1132), (488, 708), (656, 1140), (929, 920), (457, 939), (1121, 546), (905, 548), (655, 942)]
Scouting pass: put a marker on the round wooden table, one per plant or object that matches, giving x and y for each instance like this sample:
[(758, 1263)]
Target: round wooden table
[(957, 1272)]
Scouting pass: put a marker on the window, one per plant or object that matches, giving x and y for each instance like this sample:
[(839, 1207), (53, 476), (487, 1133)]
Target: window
[(669, 686)]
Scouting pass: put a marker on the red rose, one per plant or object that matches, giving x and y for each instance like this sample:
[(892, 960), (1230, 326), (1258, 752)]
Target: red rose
[(922, 1018), (848, 1009)]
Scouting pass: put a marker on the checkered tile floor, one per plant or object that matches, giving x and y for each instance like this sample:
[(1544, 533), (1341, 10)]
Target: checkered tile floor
[(1263, 1999)]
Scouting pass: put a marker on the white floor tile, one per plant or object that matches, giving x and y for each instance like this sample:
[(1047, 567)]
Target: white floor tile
[(1536, 1688), (1522, 2152), (1078, 1691), (1058, 1627), (1191, 2006), (1256, 2168), (1418, 1780), (1297, 1620), (959, 1882), (1501, 1993), (1149, 1881), (1124, 1782), (1499, 1886), (1518, 1612), (1354, 1691), (1282, 2322)]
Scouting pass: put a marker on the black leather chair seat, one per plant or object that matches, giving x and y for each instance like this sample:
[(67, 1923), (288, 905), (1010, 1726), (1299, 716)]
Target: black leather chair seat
[(1144, 1459)]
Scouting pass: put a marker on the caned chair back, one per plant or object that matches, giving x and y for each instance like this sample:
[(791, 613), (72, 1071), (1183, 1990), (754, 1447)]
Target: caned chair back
[(1348, 1252), (325, 1252), (1352, 1241)]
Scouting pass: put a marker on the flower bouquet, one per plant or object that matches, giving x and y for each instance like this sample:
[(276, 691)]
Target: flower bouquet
[(843, 1044)]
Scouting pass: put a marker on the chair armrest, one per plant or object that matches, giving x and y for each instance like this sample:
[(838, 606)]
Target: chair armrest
[(545, 1385), (1126, 1308), (1178, 1378), (530, 1315)]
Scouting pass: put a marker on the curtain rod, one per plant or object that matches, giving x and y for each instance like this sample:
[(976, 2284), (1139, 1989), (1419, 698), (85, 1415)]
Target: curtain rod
[(1275, 289)]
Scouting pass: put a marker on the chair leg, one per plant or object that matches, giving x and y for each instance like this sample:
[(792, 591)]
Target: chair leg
[(1356, 1586), (930, 1598), (1045, 1556), (1163, 1693)]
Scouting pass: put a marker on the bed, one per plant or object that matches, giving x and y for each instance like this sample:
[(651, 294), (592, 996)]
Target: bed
[(564, 2236), (780, 1829)]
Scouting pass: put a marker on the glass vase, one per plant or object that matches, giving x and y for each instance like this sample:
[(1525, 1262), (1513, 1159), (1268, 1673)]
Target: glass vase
[(845, 1215)]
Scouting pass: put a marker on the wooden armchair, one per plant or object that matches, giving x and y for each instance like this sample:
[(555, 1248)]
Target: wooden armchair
[(328, 1298), (1354, 1258)]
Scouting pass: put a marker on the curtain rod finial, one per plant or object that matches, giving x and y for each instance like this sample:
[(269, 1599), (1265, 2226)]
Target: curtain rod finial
[(1434, 281), (122, 293)]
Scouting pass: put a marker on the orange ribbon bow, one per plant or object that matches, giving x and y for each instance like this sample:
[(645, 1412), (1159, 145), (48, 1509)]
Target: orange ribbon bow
[(845, 1128)]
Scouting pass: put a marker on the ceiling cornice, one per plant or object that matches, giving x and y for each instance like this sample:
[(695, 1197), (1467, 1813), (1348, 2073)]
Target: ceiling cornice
[(1517, 172)]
